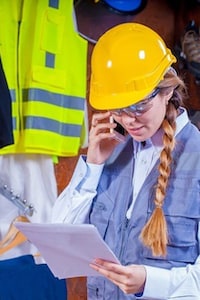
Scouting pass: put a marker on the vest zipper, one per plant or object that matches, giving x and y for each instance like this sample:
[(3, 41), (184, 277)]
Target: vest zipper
[(18, 91)]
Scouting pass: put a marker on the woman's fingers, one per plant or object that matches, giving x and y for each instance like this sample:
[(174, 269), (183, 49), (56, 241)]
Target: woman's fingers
[(130, 279)]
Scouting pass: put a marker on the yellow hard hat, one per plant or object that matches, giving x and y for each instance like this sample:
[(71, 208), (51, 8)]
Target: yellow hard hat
[(128, 62)]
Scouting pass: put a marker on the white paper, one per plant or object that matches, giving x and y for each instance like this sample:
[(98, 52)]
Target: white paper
[(68, 249)]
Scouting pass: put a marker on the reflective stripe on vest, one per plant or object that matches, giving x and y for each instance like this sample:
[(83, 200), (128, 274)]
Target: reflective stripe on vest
[(45, 64)]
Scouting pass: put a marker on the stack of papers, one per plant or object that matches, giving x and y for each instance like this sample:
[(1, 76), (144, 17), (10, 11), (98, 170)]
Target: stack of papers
[(68, 249)]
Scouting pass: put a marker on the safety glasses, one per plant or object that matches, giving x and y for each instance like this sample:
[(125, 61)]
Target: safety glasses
[(139, 108)]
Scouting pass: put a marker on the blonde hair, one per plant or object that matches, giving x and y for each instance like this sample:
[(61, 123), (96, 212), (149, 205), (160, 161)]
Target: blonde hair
[(154, 234)]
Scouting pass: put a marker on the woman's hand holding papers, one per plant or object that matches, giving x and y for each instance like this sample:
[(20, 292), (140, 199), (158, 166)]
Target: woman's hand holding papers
[(130, 279)]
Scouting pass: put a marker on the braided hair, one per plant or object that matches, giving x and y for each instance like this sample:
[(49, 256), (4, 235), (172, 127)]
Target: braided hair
[(154, 234)]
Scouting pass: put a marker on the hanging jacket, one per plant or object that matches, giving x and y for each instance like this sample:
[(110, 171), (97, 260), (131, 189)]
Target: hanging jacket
[(44, 60), (21, 278), (181, 208), (31, 177), (6, 133)]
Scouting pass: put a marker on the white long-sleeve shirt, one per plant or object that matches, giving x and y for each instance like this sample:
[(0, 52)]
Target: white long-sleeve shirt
[(74, 203)]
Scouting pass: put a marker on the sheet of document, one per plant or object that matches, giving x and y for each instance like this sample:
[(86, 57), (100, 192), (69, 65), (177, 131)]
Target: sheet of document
[(68, 249)]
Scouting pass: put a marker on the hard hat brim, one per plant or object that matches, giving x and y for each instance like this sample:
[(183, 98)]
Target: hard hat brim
[(119, 100)]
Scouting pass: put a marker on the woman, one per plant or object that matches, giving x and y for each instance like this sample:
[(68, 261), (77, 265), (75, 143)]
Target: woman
[(142, 191)]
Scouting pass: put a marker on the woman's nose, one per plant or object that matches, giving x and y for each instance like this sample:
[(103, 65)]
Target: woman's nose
[(128, 120)]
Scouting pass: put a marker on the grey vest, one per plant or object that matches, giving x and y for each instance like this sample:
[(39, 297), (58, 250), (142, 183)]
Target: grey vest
[(181, 208)]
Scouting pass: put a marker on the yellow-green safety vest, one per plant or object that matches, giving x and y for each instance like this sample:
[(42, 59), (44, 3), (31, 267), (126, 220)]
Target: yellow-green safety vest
[(45, 62)]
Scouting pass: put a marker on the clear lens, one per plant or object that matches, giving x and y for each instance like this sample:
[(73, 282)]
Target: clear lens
[(138, 109)]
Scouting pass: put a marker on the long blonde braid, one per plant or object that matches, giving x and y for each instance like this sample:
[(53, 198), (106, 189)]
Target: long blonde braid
[(154, 234)]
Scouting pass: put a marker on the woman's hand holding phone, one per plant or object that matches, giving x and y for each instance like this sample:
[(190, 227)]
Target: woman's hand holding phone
[(103, 138)]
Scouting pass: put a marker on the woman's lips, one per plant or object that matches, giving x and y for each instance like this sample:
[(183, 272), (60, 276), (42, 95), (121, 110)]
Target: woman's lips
[(135, 130)]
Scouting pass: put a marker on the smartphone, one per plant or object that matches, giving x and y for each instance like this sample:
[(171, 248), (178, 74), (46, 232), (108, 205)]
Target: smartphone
[(119, 129)]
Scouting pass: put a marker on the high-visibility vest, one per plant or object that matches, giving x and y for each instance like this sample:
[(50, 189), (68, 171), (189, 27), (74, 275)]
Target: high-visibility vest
[(45, 62)]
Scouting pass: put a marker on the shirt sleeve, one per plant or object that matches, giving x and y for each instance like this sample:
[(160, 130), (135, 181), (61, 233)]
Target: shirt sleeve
[(177, 283), (73, 204)]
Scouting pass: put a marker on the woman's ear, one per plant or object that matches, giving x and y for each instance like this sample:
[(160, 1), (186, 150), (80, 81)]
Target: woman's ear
[(168, 94)]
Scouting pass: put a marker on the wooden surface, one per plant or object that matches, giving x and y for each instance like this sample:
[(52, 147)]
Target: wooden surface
[(169, 19)]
